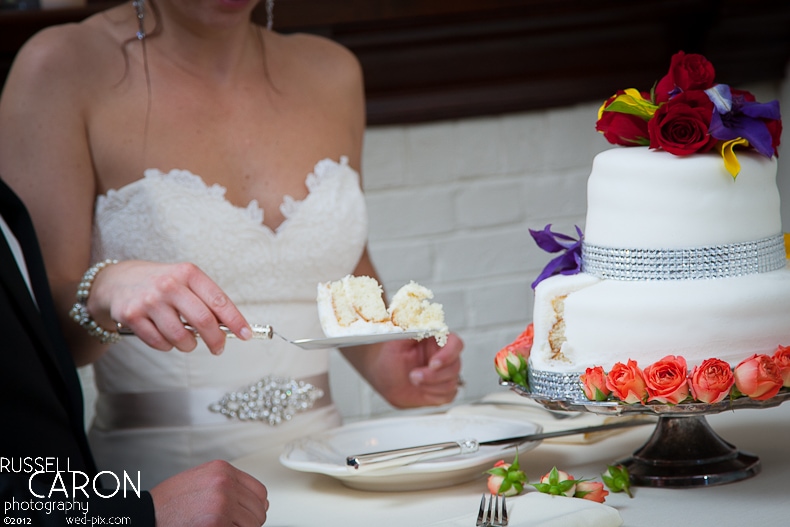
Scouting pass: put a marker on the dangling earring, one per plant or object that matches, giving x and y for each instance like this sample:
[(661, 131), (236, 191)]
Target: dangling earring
[(269, 14), (139, 8)]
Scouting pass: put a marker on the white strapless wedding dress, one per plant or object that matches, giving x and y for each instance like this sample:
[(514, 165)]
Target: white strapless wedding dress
[(152, 409)]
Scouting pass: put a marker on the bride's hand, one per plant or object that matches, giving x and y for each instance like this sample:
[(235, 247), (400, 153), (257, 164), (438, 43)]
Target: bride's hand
[(154, 300), (410, 373)]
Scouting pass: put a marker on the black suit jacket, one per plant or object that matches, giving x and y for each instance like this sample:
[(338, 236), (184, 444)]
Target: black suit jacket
[(41, 404)]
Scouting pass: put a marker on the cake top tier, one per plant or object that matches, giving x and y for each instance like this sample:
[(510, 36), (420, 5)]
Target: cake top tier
[(641, 198)]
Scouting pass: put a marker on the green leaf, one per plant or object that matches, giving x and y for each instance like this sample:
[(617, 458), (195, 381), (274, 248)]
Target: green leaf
[(542, 487), (617, 479), (599, 395), (498, 471)]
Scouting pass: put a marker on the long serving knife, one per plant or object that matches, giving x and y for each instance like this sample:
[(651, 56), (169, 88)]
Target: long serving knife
[(261, 332), (405, 456)]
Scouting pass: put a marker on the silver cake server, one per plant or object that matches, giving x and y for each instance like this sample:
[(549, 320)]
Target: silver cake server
[(405, 456), (262, 332)]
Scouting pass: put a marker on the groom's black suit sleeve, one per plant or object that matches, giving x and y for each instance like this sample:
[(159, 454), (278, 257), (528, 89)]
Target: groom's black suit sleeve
[(41, 400)]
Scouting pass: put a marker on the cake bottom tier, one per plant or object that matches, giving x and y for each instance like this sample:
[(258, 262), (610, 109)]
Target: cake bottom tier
[(581, 321)]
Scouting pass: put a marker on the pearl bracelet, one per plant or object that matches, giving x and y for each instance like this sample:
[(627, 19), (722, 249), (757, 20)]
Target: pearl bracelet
[(79, 311)]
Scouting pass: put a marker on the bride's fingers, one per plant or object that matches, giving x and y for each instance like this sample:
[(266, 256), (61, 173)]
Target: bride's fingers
[(148, 332), (223, 310)]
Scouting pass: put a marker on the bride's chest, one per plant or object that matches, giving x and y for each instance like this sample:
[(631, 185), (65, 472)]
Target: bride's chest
[(254, 148)]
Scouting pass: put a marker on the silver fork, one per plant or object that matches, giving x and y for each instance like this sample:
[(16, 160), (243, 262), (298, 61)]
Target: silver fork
[(491, 515)]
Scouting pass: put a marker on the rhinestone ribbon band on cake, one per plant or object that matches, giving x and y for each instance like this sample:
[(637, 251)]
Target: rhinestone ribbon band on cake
[(716, 261), (556, 385)]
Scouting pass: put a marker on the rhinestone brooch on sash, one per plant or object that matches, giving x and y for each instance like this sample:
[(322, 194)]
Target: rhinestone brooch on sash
[(271, 399)]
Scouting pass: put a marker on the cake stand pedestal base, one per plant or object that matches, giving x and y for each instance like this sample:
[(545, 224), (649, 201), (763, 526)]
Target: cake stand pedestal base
[(684, 451)]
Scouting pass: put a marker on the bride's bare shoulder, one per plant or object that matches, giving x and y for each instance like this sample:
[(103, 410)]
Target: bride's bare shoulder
[(77, 50), (317, 55)]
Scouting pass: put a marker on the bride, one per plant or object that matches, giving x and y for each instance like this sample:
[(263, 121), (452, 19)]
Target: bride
[(202, 169)]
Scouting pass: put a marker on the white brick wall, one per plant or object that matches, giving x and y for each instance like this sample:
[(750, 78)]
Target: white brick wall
[(450, 206)]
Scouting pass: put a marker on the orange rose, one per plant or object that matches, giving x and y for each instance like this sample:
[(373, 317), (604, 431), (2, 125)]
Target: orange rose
[(782, 360), (711, 381), (666, 380), (523, 343), (511, 361), (627, 382), (506, 479), (591, 490), (494, 481), (758, 377), (557, 483), (504, 360), (594, 384)]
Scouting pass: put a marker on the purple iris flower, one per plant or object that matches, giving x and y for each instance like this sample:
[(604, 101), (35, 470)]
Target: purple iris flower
[(736, 117), (569, 262)]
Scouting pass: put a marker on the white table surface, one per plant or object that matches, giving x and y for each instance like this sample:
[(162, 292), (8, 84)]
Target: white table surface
[(304, 499)]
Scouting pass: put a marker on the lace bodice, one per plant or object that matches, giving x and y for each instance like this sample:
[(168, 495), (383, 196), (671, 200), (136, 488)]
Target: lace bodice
[(176, 217)]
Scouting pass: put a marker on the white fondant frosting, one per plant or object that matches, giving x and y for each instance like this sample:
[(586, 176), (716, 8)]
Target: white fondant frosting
[(643, 199)]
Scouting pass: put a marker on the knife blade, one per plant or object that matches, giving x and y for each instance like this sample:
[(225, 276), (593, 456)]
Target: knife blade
[(405, 456)]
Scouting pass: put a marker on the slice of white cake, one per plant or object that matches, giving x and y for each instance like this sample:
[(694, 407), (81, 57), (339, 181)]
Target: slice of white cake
[(411, 309), (354, 305)]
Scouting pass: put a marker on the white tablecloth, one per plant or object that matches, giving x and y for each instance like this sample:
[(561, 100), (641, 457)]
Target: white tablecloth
[(304, 499)]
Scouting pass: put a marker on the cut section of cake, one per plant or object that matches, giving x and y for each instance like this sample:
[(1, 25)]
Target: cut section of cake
[(411, 309)]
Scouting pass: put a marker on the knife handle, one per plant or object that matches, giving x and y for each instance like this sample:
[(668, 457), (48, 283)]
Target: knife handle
[(258, 331), (406, 456)]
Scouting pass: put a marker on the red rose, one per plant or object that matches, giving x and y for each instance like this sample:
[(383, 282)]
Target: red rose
[(686, 72), (782, 360), (680, 126), (775, 129), (620, 127), (666, 380), (711, 381), (627, 382), (758, 377), (746, 95), (594, 384), (623, 129)]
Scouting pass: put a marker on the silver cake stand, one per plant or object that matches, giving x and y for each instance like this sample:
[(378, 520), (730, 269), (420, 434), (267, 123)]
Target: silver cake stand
[(683, 451)]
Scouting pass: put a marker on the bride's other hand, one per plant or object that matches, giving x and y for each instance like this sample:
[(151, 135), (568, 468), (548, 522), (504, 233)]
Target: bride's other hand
[(154, 300), (411, 373)]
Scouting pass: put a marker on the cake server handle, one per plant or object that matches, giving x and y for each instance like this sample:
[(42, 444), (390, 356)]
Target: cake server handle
[(259, 331), (406, 456)]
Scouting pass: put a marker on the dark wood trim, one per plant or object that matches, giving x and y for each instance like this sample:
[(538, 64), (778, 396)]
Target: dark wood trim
[(438, 59)]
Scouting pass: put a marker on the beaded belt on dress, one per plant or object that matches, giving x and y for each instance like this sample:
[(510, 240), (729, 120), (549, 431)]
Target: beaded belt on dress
[(271, 400)]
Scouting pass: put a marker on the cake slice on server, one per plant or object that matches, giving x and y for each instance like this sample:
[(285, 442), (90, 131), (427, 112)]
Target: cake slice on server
[(354, 305)]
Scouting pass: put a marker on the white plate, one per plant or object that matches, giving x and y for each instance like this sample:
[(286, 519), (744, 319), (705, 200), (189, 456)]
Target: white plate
[(326, 453), (355, 340)]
